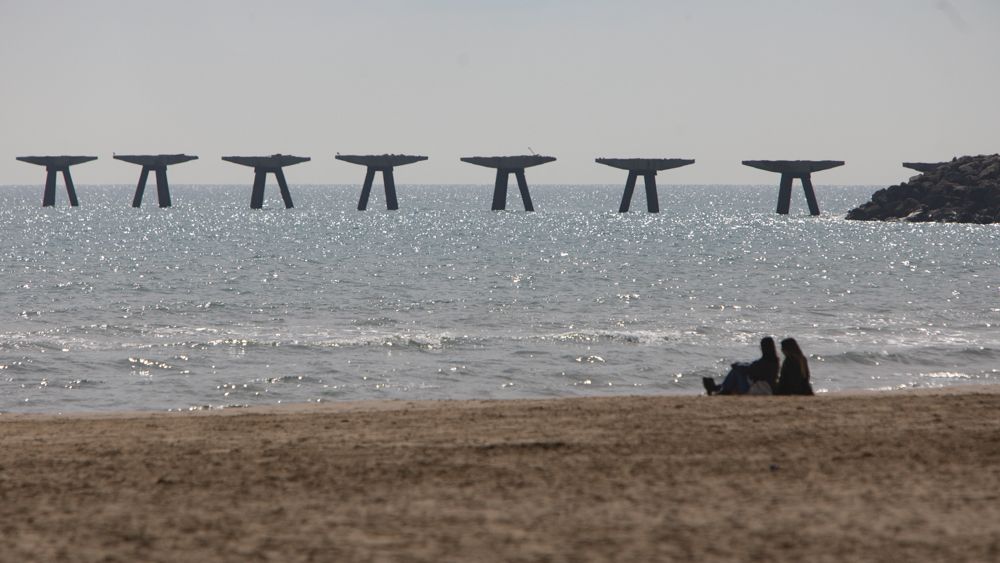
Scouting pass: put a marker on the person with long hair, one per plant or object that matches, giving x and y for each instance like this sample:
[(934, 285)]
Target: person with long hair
[(760, 375), (794, 378)]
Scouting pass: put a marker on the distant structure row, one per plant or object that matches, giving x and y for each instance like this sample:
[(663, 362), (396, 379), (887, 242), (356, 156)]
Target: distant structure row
[(384, 164)]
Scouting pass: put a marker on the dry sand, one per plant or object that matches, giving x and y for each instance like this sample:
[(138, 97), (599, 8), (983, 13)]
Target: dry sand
[(882, 477)]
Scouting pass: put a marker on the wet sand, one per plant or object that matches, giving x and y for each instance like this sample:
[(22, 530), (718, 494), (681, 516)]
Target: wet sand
[(876, 477)]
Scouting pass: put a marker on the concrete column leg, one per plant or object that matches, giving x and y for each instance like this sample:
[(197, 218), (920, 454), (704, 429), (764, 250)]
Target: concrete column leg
[(807, 186), (257, 195), (500, 190), (652, 198), (162, 187), (140, 188), (49, 195), (70, 189), (286, 195), (522, 184), (366, 189), (629, 189), (390, 190), (785, 194)]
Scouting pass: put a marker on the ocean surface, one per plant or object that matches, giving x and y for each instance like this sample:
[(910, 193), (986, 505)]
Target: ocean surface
[(209, 304)]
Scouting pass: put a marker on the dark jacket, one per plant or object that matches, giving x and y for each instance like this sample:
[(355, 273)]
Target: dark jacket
[(764, 369), (792, 380)]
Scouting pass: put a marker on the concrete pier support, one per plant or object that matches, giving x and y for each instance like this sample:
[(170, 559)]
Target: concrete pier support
[(264, 165), (383, 163), (647, 168), (923, 167), (505, 166), (790, 170), (156, 163), (53, 166)]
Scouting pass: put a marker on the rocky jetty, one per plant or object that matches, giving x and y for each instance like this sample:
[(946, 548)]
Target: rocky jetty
[(965, 190)]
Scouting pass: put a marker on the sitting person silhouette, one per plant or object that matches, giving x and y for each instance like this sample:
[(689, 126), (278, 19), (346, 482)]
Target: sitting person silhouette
[(760, 374), (794, 378)]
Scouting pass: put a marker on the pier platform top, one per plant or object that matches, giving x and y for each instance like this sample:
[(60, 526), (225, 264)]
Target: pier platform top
[(923, 166), (644, 164), (380, 160), (56, 161), (508, 162), (793, 166), (155, 160), (273, 161)]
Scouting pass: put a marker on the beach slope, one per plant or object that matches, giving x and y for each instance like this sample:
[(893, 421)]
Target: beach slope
[(880, 477)]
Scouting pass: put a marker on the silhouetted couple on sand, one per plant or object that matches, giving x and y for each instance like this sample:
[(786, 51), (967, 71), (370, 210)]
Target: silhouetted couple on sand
[(762, 376)]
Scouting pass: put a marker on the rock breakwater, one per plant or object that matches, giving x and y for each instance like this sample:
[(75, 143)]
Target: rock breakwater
[(965, 190)]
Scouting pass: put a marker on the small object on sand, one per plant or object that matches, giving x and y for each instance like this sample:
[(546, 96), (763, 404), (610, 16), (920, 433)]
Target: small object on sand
[(710, 386)]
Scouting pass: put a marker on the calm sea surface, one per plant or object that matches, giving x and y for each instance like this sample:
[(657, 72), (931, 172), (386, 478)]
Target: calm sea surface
[(210, 304)]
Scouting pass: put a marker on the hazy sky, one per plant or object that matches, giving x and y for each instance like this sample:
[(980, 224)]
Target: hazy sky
[(872, 82)]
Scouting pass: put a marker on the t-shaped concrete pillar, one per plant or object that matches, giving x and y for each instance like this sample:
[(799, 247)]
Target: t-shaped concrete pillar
[(264, 165), (383, 163), (157, 163), (791, 169), (924, 167), (507, 165), (647, 168), (53, 165)]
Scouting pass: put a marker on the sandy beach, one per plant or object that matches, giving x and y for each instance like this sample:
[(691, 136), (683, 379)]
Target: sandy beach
[(866, 477)]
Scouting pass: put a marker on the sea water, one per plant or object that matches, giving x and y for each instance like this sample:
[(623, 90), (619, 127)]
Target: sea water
[(211, 304)]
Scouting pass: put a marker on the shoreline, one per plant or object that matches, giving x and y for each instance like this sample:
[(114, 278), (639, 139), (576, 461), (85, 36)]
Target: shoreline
[(863, 477), (396, 404)]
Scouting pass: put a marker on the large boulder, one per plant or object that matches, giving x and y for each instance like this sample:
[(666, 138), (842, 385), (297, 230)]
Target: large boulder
[(965, 190)]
